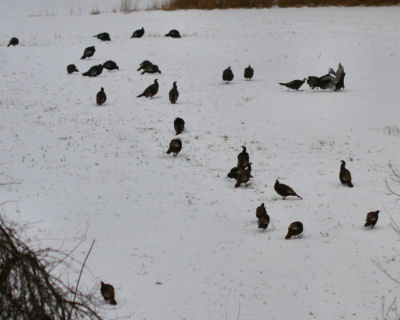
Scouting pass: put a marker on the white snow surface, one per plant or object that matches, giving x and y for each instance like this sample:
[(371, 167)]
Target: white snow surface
[(180, 221)]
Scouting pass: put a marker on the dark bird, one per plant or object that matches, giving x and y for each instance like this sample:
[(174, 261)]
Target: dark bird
[(233, 173), (101, 97), (72, 68), (179, 125), (339, 76), (108, 293), (104, 36), (295, 84), (150, 91), (284, 190), (261, 211), (145, 64), (110, 65), (263, 222), (173, 34), (173, 93), (243, 158), (13, 42), (153, 68), (327, 81), (248, 72), (345, 175), (138, 33), (227, 75), (88, 52), (244, 175), (294, 229), (372, 219), (313, 82), (175, 146), (94, 71)]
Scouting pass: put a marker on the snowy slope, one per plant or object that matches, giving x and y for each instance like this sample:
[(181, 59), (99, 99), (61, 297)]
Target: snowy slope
[(179, 220)]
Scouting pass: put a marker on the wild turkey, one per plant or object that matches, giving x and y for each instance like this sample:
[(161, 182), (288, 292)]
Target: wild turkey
[(227, 75), (108, 293), (173, 34), (173, 93), (13, 42), (263, 222), (284, 190), (179, 125), (153, 68), (145, 64), (175, 146), (313, 82), (243, 158), (372, 219), (138, 33), (248, 72), (71, 68), (345, 175), (295, 84), (233, 173), (339, 76), (104, 36), (110, 65), (88, 52), (244, 175), (261, 211), (294, 229), (101, 97), (150, 91), (94, 71)]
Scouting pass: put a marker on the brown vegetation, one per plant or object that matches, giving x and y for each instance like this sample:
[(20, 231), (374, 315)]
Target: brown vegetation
[(225, 4)]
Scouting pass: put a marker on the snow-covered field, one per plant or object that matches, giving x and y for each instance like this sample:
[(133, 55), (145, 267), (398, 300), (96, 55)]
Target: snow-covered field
[(180, 221)]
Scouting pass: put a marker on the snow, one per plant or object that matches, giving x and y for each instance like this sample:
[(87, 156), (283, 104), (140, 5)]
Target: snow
[(103, 171)]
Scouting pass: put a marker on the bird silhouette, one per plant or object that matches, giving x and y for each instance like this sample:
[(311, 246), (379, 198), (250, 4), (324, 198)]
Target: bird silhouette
[(150, 91), (261, 211), (248, 73), (173, 93), (284, 190), (145, 64), (175, 146), (138, 33), (372, 219), (153, 68), (108, 293), (295, 84), (227, 75), (295, 229), (71, 68), (233, 173), (179, 125), (243, 158), (339, 76), (104, 36), (110, 65), (173, 34), (88, 52), (345, 175), (263, 222), (101, 97), (13, 42), (94, 71), (244, 175)]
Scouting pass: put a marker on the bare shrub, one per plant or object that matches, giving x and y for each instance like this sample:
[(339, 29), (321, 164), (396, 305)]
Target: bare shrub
[(29, 290), (94, 11)]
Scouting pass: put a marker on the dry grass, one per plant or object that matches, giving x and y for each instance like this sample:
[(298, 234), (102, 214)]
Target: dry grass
[(94, 11), (225, 4), (127, 6)]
